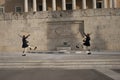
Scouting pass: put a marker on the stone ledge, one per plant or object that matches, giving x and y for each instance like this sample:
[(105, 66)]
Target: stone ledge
[(63, 48), (60, 14)]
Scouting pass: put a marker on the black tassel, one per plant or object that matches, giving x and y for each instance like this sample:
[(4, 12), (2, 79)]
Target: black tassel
[(77, 46)]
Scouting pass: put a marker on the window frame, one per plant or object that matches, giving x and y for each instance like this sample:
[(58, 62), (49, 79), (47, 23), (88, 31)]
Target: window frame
[(69, 3), (3, 9), (38, 9), (17, 7), (101, 2)]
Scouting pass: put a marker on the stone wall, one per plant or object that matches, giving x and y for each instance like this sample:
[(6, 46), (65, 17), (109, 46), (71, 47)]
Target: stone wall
[(50, 30)]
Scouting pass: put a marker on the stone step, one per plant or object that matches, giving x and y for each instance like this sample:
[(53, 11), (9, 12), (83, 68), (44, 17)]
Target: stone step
[(72, 60), (75, 66), (59, 58), (62, 63)]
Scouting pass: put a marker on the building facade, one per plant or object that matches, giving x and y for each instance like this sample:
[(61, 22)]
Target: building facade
[(55, 24), (55, 5)]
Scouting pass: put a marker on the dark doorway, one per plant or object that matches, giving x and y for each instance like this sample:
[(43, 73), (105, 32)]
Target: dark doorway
[(99, 4), (40, 8), (69, 6)]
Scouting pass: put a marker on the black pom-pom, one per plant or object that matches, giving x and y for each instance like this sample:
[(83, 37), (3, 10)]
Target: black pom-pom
[(77, 46)]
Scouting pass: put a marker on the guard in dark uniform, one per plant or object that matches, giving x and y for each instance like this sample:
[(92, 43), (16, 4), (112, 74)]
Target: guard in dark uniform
[(25, 44), (86, 43)]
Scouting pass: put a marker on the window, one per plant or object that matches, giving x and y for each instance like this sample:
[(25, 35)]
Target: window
[(68, 6), (1, 9), (18, 9), (99, 4)]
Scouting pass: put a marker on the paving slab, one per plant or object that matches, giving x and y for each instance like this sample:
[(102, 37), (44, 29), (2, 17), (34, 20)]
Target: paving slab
[(52, 74), (116, 70), (114, 75)]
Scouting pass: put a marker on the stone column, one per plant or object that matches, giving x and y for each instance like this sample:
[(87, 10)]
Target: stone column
[(74, 4), (105, 3), (26, 5), (63, 4), (115, 3), (34, 6), (54, 5), (94, 4), (44, 5), (84, 4), (111, 3)]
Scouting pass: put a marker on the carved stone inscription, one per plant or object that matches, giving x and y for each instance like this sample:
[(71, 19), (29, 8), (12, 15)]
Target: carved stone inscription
[(63, 29), (64, 34)]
